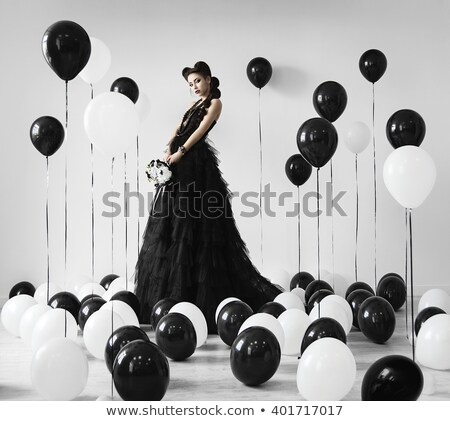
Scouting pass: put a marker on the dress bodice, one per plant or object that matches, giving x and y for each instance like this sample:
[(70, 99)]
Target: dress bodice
[(192, 119)]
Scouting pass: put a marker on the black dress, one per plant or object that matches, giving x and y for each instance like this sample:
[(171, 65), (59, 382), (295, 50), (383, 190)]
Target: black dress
[(192, 250)]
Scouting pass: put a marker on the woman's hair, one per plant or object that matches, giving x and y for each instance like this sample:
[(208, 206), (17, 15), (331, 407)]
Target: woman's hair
[(202, 68)]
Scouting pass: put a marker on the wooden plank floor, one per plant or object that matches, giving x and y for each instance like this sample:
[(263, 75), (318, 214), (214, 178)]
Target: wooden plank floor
[(206, 375)]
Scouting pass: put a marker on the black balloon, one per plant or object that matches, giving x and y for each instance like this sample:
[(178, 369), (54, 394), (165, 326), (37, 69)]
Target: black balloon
[(67, 301), (160, 309), (127, 87), (405, 127), (315, 286), (87, 309), (323, 327), (298, 170), (141, 372), (376, 319), (67, 48), (118, 339), (47, 135), (424, 315), (358, 285), (392, 378), (23, 287), (88, 297), (391, 274), (301, 280), (330, 100), (129, 298), (317, 140), (273, 308), (255, 356), (393, 289), (259, 71), (175, 335), (355, 299), (373, 64), (230, 319), (316, 298), (106, 281)]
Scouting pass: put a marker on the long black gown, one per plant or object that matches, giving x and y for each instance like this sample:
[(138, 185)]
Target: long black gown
[(192, 250)]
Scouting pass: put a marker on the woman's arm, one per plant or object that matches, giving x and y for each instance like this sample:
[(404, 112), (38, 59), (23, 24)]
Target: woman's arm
[(213, 114)]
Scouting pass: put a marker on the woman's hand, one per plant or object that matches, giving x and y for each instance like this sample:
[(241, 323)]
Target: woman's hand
[(174, 158), (166, 155)]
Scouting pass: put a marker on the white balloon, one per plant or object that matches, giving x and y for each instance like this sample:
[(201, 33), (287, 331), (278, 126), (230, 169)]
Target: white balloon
[(300, 292), (90, 288), (334, 311), (358, 137), (40, 295), (429, 383), (57, 323), (409, 174), (222, 305), (343, 303), (13, 310), (127, 314), (143, 106), (59, 370), (294, 323), (338, 282), (98, 64), (289, 300), (280, 277), (435, 297), (269, 322), (111, 123), (433, 343), (195, 315), (326, 370), (29, 320), (98, 329)]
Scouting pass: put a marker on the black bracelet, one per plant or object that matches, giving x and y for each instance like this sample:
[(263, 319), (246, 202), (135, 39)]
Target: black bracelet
[(182, 149)]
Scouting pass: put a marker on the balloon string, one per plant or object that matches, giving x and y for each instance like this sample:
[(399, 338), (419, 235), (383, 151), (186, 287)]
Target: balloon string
[(260, 176), (298, 226), (374, 183), (65, 183), (47, 232), (126, 221), (332, 218), (356, 219), (112, 348), (406, 270), (112, 218), (412, 281), (65, 323), (138, 190), (318, 225), (92, 206)]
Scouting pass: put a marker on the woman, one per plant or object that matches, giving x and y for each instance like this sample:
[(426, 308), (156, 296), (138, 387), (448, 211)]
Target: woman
[(192, 250)]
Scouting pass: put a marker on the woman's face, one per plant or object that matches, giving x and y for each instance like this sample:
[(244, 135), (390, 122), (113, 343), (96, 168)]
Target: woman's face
[(199, 85)]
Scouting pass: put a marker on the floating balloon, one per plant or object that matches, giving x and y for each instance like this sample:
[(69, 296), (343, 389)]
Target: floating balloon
[(298, 170), (175, 335), (47, 135), (111, 123), (118, 339), (376, 319), (326, 370), (358, 137), (355, 299), (230, 319), (330, 100), (67, 48), (301, 280), (259, 71), (409, 174), (127, 87), (141, 372), (255, 356), (273, 308), (405, 127), (392, 378), (323, 327), (59, 370), (373, 64), (23, 287), (317, 140), (98, 64), (393, 289), (424, 315)]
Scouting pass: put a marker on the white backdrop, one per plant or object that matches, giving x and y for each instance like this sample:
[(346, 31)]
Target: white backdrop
[(307, 42)]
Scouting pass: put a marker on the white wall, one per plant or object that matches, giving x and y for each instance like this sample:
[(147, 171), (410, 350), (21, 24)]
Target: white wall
[(307, 42)]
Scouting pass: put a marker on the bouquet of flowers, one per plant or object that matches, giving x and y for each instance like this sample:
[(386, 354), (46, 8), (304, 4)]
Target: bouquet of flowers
[(158, 172)]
